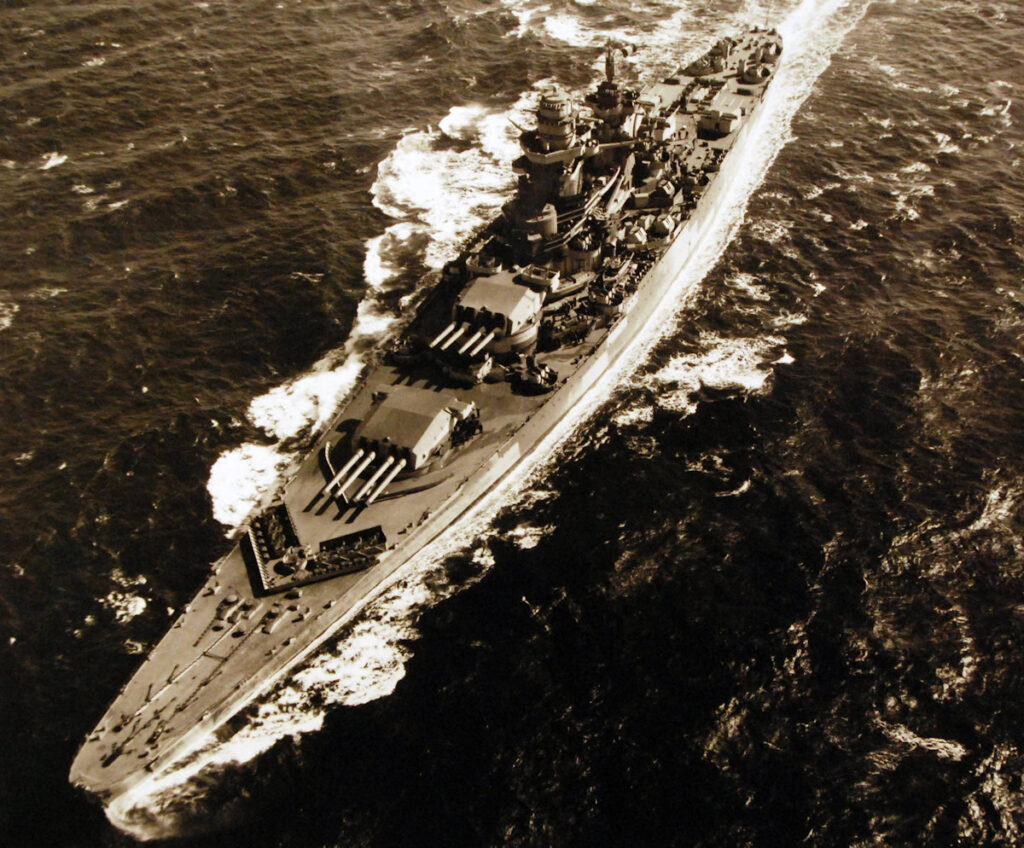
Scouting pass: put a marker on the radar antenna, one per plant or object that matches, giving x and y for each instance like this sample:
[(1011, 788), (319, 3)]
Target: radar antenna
[(609, 58)]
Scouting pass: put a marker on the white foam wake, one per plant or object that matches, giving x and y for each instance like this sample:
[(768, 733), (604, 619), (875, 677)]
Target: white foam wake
[(440, 191), (686, 30), (371, 661), (125, 603), (7, 313), (53, 160), (721, 364)]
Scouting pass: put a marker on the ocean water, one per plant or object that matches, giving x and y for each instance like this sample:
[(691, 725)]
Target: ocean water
[(767, 588)]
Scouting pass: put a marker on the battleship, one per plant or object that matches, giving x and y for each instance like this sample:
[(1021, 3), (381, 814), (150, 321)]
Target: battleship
[(615, 191)]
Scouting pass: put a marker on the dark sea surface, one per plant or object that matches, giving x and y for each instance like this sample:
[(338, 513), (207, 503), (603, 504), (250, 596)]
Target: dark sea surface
[(768, 590)]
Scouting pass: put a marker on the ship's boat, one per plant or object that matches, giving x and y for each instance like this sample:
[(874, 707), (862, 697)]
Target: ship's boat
[(614, 193)]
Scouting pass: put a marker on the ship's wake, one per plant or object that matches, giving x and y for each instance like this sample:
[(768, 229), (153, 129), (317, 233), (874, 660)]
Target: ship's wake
[(368, 659)]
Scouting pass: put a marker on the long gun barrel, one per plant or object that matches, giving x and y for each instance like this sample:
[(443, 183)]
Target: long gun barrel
[(472, 341), (355, 474), (442, 334), (337, 478), (615, 145), (486, 340), (368, 485), (447, 343), (391, 475)]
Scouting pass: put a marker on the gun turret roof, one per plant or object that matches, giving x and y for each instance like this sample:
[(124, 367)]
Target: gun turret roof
[(499, 293), (413, 419)]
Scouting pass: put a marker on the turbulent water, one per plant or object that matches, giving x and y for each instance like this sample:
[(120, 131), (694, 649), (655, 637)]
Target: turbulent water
[(767, 588)]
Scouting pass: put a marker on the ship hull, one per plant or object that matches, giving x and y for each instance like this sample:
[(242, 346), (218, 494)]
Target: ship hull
[(176, 713)]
